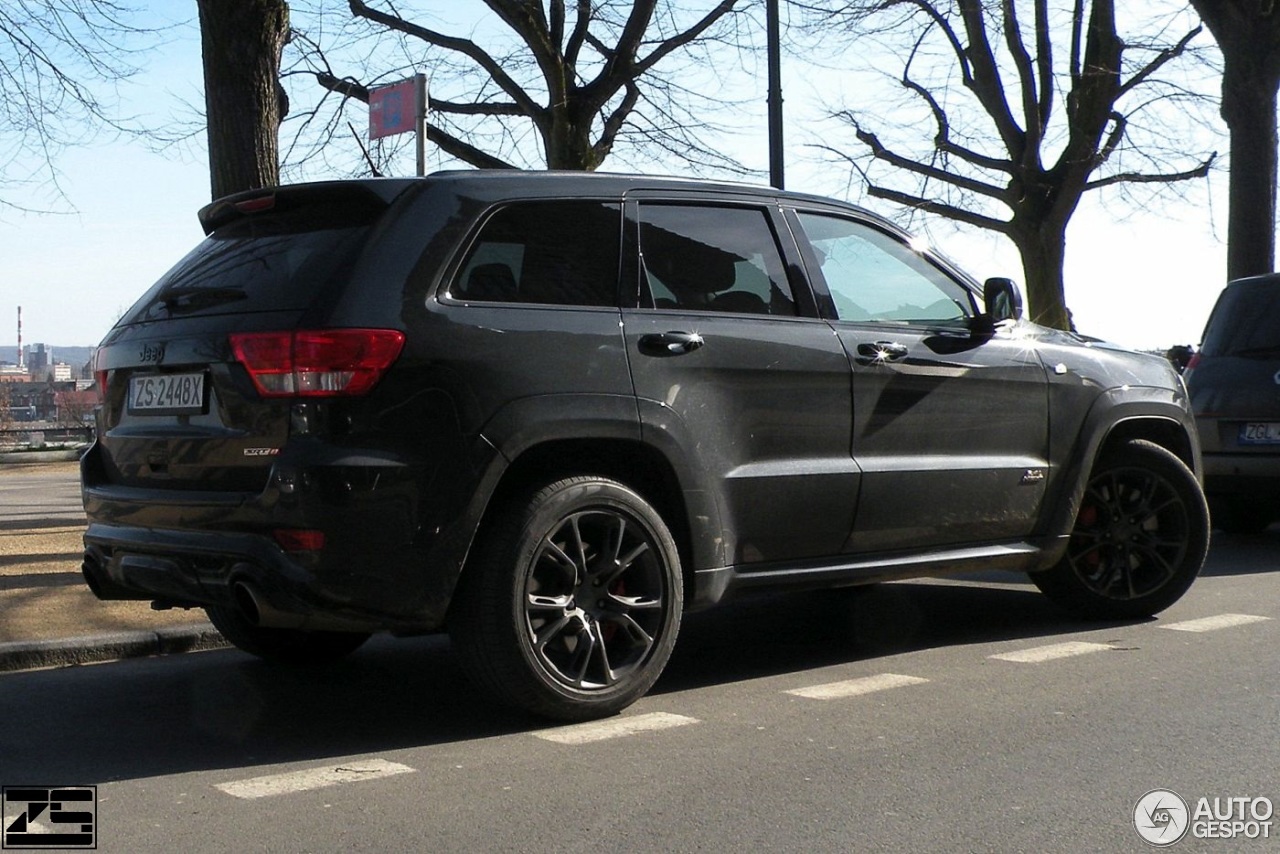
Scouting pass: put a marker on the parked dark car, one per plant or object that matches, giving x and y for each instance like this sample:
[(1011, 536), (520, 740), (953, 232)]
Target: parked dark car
[(1234, 381), (551, 413)]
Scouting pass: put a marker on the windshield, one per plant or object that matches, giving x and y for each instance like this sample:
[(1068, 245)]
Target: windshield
[(1245, 322)]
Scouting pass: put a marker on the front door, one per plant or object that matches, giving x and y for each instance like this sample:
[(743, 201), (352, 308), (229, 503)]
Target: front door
[(950, 424)]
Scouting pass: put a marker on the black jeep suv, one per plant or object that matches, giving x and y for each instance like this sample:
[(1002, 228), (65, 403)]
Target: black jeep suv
[(552, 412)]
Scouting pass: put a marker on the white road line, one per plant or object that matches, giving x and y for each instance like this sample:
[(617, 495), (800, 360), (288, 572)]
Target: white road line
[(615, 728), (856, 687), (1037, 654), (315, 778), (1208, 624)]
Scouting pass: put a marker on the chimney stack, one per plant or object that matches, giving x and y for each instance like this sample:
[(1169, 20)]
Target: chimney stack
[(19, 336)]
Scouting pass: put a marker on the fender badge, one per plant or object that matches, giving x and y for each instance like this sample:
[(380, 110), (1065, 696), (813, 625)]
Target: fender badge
[(261, 452), (1032, 476)]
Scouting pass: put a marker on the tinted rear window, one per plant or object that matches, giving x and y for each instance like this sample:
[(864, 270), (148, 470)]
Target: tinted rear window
[(1245, 322), (553, 253), (265, 262)]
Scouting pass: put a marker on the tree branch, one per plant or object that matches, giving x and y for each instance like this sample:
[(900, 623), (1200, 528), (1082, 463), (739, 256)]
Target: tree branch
[(1164, 178), (941, 208), (464, 151), (880, 152), (464, 46)]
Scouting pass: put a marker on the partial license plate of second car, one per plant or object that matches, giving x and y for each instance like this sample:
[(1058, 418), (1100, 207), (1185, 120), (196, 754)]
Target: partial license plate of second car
[(1260, 433), (167, 394)]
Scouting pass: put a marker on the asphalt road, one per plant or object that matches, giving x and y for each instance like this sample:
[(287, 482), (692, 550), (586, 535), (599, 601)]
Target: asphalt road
[(932, 716)]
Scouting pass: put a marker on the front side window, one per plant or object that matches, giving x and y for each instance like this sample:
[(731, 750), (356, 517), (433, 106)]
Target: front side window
[(874, 277), (555, 253), (706, 258)]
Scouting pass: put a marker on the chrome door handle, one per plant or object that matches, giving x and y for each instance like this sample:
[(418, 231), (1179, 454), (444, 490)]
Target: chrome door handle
[(882, 351), (670, 343)]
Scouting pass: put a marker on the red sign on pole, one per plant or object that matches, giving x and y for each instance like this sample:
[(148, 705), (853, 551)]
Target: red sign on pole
[(393, 109)]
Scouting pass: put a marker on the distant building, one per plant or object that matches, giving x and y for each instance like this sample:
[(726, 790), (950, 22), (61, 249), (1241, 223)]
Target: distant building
[(11, 373), (39, 360), (61, 372), (60, 402)]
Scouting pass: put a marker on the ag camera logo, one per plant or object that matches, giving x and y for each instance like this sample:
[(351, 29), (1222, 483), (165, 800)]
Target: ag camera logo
[(1161, 817)]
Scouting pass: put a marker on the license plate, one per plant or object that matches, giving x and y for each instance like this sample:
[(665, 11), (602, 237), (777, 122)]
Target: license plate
[(167, 394), (1260, 433)]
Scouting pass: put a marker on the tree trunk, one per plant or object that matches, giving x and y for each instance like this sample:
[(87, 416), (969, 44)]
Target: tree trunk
[(244, 102), (1043, 253), (1249, 108)]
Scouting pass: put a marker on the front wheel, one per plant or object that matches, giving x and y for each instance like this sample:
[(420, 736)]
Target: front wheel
[(1139, 539), (570, 607)]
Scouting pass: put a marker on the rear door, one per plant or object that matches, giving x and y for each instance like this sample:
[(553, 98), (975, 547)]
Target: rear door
[(734, 370), (950, 426)]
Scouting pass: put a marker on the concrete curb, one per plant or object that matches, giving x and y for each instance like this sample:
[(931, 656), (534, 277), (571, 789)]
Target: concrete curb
[(63, 652), (54, 456)]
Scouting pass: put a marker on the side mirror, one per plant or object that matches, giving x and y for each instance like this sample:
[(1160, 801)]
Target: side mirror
[(1003, 300)]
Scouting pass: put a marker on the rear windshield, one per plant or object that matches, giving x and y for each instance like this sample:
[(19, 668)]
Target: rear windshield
[(264, 262), (1245, 322)]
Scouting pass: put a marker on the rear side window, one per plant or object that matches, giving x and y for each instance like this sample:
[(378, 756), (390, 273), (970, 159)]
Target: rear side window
[(1245, 322), (264, 262), (706, 258), (552, 253)]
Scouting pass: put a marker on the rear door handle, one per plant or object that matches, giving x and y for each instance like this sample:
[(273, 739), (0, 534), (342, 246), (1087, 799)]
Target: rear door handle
[(882, 351), (670, 343)]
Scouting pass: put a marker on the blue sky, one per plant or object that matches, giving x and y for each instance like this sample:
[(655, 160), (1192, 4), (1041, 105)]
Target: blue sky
[(1146, 281)]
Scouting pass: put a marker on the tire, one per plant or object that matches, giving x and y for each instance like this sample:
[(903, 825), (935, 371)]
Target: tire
[(1240, 516), (570, 606), (1139, 539), (284, 646)]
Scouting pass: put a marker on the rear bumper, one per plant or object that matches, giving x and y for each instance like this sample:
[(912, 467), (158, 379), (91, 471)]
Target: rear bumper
[(394, 542), (1255, 475), (248, 572)]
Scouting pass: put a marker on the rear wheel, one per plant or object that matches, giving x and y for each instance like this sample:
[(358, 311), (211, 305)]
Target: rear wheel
[(570, 607), (1139, 539), (287, 646)]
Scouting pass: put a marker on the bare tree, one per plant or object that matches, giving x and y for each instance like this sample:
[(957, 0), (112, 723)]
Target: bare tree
[(1051, 104), (579, 77), (244, 102), (1248, 32), (59, 65)]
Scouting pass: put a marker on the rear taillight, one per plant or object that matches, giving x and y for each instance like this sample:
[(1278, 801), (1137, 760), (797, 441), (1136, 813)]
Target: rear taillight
[(100, 374), (294, 540), (317, 363)]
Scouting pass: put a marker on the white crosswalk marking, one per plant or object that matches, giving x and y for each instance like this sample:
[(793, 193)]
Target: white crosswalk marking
[(856, 687), (615, 728), (1038, 654), (1209, 624), (314, 778)]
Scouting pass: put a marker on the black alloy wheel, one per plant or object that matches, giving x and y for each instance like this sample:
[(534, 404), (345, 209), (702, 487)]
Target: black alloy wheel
[(1139, 539), (571, 607)]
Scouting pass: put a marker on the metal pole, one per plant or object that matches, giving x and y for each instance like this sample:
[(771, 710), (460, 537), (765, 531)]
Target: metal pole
[(420, 125), (776, 177)]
